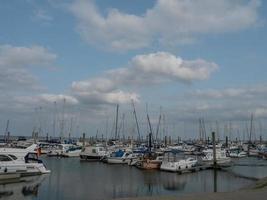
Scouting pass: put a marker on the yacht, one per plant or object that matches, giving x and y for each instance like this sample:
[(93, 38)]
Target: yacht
[(12, 166), (64, 150), (176, 162), (221, 157), (119, 157), (72, 151), (236, 152), (93, 153), (19, 153)]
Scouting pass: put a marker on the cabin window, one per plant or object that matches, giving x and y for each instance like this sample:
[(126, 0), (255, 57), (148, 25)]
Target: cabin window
[(93, 150), (4, 158), (13, 157)]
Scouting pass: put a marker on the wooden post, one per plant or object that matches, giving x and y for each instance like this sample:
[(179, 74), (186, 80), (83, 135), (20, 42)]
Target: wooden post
[(214, 150)]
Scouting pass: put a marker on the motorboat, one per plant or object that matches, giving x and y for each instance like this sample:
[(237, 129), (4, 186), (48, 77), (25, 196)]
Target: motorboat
[(72, 151), (176, 162), (11, 166), (221, 157), (65, 150), (236, 152), (55, 150), (119, 157), (93, 153), (19, 153)]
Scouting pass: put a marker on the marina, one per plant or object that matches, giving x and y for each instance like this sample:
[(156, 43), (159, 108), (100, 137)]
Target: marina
[(126, 170), (133, 100), (95, 180)]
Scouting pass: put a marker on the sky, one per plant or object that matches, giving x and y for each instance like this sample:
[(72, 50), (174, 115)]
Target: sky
[(181, 59)]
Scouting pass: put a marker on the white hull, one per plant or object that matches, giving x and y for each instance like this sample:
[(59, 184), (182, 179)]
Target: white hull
[(116, 161), (178, 166), (218, 161), (72, 153), (238, 155), (8, 176)]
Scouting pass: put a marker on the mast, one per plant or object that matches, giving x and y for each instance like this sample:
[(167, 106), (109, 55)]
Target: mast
[(217, 130), (6, 132), (136, 121), (116, 123), (149, 135), (251, 127), (63, 121), (123, 127), (54, 120), (157, 132)]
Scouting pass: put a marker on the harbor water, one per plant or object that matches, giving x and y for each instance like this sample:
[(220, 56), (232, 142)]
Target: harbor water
[(72, 179)]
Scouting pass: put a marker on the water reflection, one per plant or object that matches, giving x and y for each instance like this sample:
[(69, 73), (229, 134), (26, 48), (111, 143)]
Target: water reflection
[(173, 182), (215, 180), (72, 179), (26, 188)]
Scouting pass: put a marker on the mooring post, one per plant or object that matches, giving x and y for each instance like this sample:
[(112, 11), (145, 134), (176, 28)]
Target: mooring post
[(214, 150)]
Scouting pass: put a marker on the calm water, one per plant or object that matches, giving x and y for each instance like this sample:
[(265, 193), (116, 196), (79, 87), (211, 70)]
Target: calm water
[(72, 179)]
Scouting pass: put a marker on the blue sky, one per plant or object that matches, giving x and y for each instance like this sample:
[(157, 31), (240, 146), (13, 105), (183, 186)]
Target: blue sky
[(194, 58)]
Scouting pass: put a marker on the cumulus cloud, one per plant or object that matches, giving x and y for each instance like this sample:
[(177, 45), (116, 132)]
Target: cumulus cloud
[(245, 92), (142, 70), (15, 62), (228, 103), (168, 22)]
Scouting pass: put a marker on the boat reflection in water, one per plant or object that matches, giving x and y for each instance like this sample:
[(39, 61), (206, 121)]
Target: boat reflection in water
[(72, 179), (173, 183), (25, 189)]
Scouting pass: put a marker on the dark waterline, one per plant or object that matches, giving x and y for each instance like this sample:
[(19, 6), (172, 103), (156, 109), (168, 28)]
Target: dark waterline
[(72, 179)]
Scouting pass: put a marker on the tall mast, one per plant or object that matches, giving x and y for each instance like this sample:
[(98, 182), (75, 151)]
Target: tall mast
[(157, 132), (200, 130), (217, 130), (251, 128), (54, 120), (6, 132), (62, 122), (136, 121), (150, 134), (116, 124)]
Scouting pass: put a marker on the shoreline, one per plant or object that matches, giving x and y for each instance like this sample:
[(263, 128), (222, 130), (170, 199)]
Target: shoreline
[(258, 190)]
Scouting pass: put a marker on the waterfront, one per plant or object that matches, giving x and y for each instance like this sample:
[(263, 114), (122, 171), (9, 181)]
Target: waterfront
[(72, 179)]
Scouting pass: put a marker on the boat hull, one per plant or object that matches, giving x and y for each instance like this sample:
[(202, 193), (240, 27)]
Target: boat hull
[(90, 158)]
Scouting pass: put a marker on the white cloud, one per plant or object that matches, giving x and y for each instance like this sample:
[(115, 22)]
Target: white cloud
[(51, 98), (168, 22), (141, 71), (245, 92), (236, 103), (15, 63)]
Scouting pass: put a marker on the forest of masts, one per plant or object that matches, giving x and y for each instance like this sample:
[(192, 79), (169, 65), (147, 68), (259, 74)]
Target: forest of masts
[(64, 122)]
